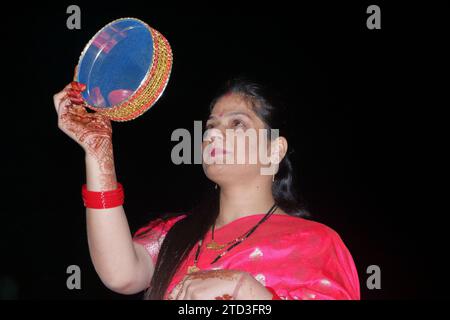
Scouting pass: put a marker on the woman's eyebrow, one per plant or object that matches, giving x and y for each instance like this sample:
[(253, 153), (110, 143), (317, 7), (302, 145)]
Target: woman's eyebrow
[(211, 117)]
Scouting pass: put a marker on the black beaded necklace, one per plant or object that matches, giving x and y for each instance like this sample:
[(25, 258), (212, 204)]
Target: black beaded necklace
[(194, 268)]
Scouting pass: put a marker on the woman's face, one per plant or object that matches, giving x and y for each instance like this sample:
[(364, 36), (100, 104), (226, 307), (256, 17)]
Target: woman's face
[(234, 145)]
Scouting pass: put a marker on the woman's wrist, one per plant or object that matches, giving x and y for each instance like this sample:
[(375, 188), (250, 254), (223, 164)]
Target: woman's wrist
[(104, 149), (100, 173)]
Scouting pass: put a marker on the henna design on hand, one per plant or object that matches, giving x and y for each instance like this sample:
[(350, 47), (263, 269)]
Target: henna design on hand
[(222, 274), (92, 131)]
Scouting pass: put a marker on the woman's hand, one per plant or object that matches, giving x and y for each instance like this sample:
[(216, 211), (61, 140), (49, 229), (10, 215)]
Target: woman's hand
[(219, 285), (92, 131)]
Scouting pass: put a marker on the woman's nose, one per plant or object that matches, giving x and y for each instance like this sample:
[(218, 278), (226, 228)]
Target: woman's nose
[(212, 134)]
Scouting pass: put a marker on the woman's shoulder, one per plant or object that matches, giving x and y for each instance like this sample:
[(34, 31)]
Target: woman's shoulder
[(305, 228), (323, 253), (312, 239)]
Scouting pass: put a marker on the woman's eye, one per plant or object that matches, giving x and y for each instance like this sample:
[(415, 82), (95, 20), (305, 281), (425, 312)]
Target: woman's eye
[(238, 123)]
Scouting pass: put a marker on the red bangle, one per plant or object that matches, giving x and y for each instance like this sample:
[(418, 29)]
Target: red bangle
[(275, 295), (103, 199)]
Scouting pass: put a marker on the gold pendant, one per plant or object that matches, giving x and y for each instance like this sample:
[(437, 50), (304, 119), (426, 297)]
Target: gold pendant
[(213, 245), (192, 269)]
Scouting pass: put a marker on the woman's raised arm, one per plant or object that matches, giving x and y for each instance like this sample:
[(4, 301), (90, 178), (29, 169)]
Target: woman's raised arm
[(122, 265)]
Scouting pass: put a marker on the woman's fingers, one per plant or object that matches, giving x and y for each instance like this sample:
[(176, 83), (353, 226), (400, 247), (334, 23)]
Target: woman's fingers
[(75, 92), (176, 291), (73, 89), (209, 284), (70, 96), (78, 86), (60, 97), (183, 294), (76, 101)]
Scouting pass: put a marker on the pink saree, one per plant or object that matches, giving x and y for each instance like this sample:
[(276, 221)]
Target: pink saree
[(298, 258)]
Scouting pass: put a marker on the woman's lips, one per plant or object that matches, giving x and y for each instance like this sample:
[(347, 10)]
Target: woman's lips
[(218, 151)]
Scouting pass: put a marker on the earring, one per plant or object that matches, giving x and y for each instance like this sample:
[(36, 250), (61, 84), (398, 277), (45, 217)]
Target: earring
[(273, 177), (215, 186)]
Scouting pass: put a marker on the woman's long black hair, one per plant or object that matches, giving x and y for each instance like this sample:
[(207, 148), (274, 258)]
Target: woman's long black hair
[(185, 234)]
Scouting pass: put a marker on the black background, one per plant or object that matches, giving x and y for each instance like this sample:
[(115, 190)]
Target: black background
[(357, 107)]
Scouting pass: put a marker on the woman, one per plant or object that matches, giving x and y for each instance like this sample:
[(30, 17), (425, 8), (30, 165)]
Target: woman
[(248, 239)]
